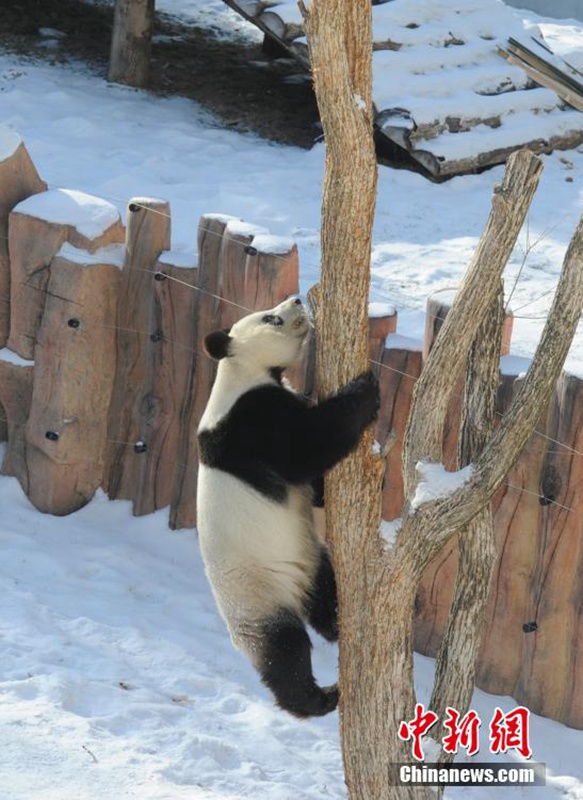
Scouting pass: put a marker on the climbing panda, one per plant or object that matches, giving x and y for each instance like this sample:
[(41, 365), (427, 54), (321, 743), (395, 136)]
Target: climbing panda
[(262, 449)]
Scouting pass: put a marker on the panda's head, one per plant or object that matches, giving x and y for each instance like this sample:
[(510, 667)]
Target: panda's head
[(263, 340)]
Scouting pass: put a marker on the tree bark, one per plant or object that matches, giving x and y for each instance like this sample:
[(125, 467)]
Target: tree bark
[(340, 42), (458, 653), (131, 43)]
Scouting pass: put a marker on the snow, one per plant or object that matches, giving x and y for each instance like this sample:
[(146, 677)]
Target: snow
[(435, 482), (272, 245), (9, 142), (117, 676), (90, 215), (389, 531), (376, 309), (514, 365), (10, 357), (110, 254), (395, 341), (176, 259), (238, 227)]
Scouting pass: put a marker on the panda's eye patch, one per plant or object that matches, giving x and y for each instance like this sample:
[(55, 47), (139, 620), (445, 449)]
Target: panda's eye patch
[(271, 319)]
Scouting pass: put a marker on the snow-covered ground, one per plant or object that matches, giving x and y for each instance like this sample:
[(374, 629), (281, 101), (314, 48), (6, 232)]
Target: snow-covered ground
[(117, 677)]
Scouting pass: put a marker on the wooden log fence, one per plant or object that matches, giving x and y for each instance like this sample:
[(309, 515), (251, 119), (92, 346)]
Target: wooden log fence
[(104, 378)]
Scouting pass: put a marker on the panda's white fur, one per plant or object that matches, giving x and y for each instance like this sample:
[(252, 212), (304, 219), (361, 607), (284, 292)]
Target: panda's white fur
[(252, 572), (262, 449)]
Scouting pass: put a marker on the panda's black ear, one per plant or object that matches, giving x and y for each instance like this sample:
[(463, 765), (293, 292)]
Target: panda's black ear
[(217, 344)]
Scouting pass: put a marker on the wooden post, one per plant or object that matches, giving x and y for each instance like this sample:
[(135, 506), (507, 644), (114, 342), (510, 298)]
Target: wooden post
[(73, 378), (133, 410), (516, 525), (172, 360), (552, 670), (37, 229), (401, 361), (18, 180), (131, 43), (15, 395), (379, 327)]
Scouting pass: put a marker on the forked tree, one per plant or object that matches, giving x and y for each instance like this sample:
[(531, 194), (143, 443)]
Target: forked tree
[(377, 581)]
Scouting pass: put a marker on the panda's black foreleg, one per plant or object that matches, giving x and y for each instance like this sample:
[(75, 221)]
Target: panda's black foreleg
[(286, 668), (322, 602)]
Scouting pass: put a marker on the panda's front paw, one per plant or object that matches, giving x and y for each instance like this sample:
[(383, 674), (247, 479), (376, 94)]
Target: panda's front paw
[(366, 387)]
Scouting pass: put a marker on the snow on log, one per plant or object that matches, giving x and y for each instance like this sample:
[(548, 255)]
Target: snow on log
[(37, 228)]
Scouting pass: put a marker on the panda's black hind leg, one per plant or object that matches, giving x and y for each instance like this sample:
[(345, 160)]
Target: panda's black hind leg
[(322, 603), (286, 668)]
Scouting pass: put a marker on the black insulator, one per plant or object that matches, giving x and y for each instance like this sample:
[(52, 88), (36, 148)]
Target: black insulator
[(140, 447), (546, 500), (250, 250), (530, 627), (160, 276), (74, 323), (52, 436), (156, 337), (134, 207)]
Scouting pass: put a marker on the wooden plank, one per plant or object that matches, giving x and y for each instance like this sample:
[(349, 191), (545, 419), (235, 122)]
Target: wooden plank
[(569, 95), (567, 75)]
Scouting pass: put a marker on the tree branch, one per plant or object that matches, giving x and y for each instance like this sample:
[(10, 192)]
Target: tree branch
[(435, 522), (510, 203), (456, 660)]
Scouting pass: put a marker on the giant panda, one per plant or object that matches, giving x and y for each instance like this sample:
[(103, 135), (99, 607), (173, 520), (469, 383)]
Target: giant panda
[(262, 449)]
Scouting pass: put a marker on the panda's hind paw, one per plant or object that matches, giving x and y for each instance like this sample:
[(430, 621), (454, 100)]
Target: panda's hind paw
[(332, 696), (319, 702)]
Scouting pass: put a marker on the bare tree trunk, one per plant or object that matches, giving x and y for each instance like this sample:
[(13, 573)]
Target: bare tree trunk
[(377, 582), (340, 40), (131, 43)]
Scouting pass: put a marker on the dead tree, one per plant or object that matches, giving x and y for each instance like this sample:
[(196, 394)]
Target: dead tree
[(131, 42), (377, 582)]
